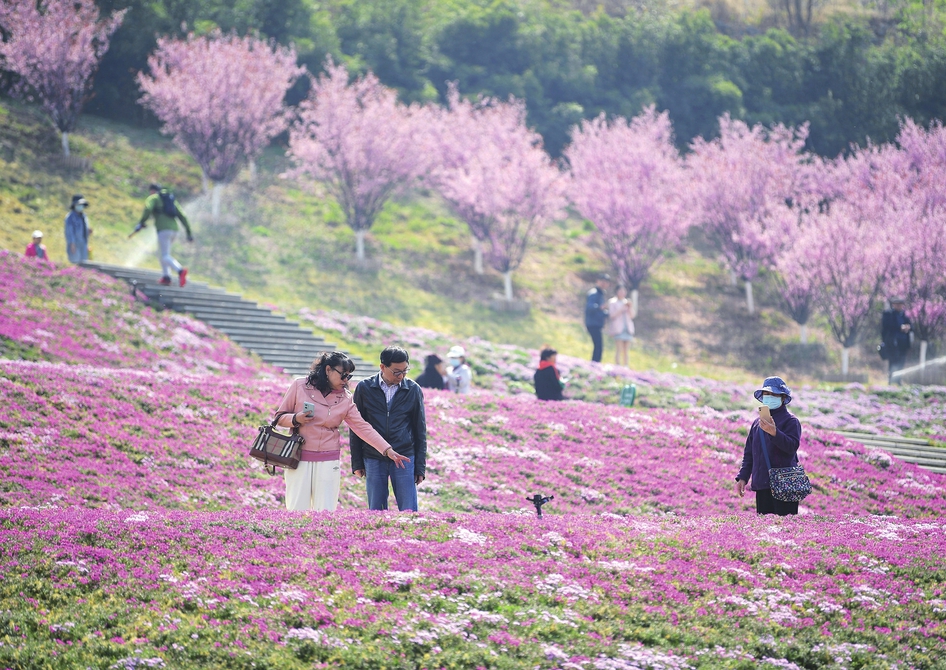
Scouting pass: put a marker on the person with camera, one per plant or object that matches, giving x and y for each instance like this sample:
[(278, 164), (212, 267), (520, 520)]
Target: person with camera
[(895, 328), (782, 437), (317, 406), (394, 406), (161, 205)]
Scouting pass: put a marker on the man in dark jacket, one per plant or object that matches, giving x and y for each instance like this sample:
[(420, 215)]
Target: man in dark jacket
[(394, 406), (548, 385), (782, 437), (596, 316), (895, 334)]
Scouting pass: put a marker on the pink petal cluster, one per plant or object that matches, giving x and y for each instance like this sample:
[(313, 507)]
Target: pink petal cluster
[(220, 96)]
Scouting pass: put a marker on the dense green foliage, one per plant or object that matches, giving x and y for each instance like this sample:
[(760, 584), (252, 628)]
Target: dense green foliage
[(852, 78)]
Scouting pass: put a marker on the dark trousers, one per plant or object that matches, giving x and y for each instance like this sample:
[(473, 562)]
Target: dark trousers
[(597, 340), (766, 504), (894, 363)]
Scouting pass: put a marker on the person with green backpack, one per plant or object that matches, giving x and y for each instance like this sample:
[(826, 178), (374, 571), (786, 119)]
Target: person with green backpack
[(161, 205)]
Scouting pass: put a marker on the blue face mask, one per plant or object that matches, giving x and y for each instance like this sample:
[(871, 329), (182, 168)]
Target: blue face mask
[(772, 401)]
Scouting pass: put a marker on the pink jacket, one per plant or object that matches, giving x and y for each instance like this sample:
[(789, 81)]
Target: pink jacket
[(321, 436)]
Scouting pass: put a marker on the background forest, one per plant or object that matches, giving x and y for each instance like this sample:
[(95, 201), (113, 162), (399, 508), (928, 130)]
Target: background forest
[(849, 68)]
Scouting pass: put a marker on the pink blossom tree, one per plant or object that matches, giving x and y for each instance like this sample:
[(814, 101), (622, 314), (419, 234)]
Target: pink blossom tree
[(629, 180), (854, 254), (357, 139), (55, 46), (798, 272), (221, 97), (918, 272), (529, 192), (744, 184), (462, 136)]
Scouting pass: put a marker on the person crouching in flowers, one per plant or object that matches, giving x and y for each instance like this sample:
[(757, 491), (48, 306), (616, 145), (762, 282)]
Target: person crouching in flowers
[(314, 485), (782, 436)]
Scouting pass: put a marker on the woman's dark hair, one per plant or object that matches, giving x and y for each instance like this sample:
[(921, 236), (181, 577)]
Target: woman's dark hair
[(547, 353), (318, 377), (432, 361), (392, 355)]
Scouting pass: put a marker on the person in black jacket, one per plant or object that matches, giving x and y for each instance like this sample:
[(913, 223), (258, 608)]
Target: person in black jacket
[(596, 315), (433, 375), (895, 333), (548, 385), (394, 406)]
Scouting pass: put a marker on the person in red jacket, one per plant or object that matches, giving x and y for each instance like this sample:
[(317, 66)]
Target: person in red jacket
[(36, 248)]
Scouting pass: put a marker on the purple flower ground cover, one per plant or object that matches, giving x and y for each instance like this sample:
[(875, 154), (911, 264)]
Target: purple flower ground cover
[(78, 316), (135, 532), (508, 369), (251, 588), (77, 435)]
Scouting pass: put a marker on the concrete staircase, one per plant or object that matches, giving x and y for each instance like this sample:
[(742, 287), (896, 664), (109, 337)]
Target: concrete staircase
[(278, 341), (908, 449)]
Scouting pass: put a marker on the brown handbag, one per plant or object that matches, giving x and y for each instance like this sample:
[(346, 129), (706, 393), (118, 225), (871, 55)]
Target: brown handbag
[(275, 449)]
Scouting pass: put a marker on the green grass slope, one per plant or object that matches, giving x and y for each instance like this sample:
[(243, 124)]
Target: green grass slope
[(285, 243)]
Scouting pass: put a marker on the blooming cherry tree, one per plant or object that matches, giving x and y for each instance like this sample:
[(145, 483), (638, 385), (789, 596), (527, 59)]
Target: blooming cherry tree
[(496, 177), (854, 256), (744, 182), (55, 47), (627, 178), (221, 97), (357, 139), (918, 272)]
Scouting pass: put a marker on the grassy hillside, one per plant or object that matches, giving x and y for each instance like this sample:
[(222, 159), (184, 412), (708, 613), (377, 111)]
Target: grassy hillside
[(284, 243)]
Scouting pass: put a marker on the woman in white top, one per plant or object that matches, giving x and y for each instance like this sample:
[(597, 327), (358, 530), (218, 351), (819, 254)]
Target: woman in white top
[(620, 324), (460, 375)]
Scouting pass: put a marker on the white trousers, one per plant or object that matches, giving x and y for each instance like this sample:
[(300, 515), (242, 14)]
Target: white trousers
[(165, 238), (313, 486)]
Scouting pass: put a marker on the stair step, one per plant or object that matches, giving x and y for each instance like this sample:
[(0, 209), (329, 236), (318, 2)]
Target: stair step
[(883, 438), (276, 340)]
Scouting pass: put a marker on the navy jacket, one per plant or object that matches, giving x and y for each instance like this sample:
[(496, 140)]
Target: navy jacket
[(782, 448), (403, 426), (547, 385), (595, 317), (891, 332)]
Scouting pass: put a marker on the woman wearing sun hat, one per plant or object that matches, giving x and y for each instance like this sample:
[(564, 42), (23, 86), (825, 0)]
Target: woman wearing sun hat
[(460, 375), (78, 230), (782, 436)]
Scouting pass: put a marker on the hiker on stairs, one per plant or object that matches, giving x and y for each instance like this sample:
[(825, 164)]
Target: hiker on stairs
[(161, 205)]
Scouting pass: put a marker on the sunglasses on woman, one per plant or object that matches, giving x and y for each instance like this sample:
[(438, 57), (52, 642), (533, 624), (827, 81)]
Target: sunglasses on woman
[(344, 375)]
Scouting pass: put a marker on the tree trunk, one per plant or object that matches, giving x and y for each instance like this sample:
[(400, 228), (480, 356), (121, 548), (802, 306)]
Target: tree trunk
[(507, 284), (733, 279), (65, 144), (215, 197), (804, 333), (477, 256), (204, 182), (750, 303), (923, 344), (360, 245), (252, 166), (845, 358), (634, 298)]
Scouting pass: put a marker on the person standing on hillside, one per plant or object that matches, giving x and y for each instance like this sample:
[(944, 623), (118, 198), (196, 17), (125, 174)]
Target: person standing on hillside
[(595, 315), (782, 437), (620, 324), (36, 248), (895, 328), (394, 406), (78, 231), (460, 374), (548, 383), (161, 205)]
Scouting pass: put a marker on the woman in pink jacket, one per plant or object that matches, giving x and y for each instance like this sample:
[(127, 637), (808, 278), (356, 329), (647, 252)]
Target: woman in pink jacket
[(315, 483)]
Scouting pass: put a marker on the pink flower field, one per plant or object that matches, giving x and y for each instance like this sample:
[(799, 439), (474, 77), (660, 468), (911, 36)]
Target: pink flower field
[(135, 532)]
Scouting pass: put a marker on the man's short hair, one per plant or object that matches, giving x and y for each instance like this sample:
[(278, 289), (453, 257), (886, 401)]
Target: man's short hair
[(392, 355), (154, 187), (547, 353), (604, 276)]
